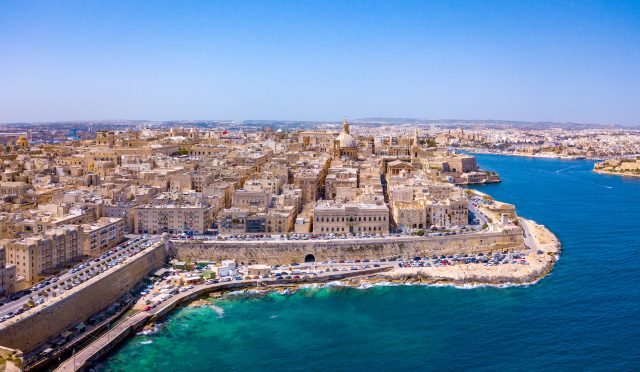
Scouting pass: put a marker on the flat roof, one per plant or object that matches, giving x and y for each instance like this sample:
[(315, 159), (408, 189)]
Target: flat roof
[(161, 272)]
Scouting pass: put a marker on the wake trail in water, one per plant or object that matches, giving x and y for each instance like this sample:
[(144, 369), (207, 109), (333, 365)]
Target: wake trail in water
[(565, 169), (579, 179)]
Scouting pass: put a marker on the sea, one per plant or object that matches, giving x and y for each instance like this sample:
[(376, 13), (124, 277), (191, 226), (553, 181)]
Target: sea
[(584, 316)]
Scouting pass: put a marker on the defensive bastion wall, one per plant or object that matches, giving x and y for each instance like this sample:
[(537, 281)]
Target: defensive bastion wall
[(274, 252), (38, 325)]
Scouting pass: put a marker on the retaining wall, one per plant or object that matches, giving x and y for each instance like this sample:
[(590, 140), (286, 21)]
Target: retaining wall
[(36, 326), (286, 251)]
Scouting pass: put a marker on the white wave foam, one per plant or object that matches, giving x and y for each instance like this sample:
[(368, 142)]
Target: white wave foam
[(336, 283), (218, 310)]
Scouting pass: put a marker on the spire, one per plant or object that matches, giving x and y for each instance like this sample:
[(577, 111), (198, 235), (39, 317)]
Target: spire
[(345, 125)]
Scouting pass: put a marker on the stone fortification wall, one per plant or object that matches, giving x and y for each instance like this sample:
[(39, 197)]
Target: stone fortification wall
[(34, 327), (274, 252)]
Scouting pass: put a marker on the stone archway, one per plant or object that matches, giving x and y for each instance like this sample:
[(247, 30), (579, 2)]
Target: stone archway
[(309, 258)]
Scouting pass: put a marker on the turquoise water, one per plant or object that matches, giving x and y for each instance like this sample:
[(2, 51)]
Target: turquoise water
[(585, 315)]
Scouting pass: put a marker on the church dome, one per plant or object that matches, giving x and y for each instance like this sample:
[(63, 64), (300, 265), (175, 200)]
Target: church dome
[(22, 142), (346, 140)]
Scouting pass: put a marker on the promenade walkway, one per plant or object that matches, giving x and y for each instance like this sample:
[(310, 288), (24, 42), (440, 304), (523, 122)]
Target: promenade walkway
[(105, 343)]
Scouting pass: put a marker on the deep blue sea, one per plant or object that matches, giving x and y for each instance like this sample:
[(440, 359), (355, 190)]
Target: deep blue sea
[(584, 316)]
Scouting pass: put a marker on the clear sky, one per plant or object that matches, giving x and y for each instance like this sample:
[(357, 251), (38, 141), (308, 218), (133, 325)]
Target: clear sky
[(319, 60)]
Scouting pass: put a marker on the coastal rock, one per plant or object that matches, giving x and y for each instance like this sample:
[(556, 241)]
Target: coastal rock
[(538, 266)]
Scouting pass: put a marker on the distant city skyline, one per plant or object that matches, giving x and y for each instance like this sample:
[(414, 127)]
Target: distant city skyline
[(318, 61)]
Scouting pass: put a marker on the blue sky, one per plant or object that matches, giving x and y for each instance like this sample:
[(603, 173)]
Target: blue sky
[(319, 60)]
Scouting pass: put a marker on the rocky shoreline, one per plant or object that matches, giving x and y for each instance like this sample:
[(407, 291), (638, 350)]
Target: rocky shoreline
[(540, 263), (613, 173), (537, 155)]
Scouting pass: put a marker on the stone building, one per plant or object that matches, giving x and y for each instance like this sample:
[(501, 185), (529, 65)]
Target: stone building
[(451, 162), (122, 210), (350, 218), (449, 212), (251, 199), (232, 221), (398, 168), (19, 189), (172, 218), (281, 220), (272, 185), (180, 182), (339, 178), (309, 182), (7, 275), (105, 138), (102, 235), (43, 254), (410, 215)]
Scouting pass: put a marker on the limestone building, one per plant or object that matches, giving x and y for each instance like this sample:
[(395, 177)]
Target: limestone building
[(102, 235), (7, 275), (309, 182), (251, 199), (42, 254), (339, 177), (270, 221), (350, 218), (172, 218), (450, 212)]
